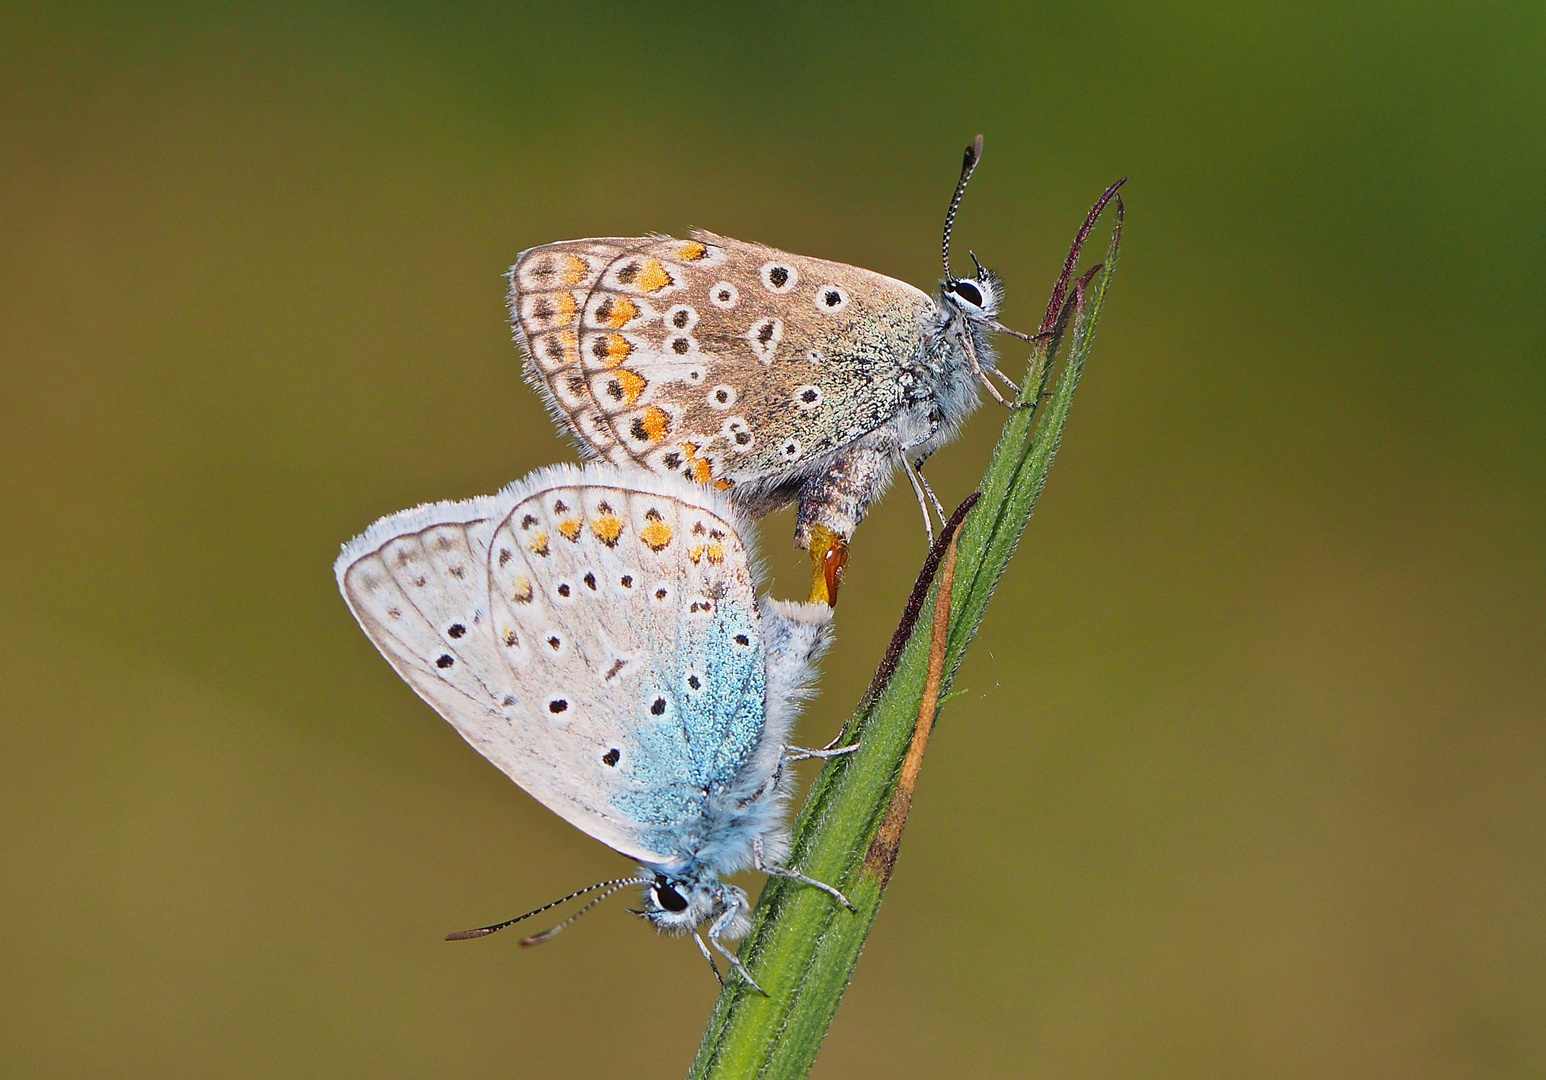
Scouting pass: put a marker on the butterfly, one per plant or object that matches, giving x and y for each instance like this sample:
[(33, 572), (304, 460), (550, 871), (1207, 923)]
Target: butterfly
[(770, 376), (596, 634)]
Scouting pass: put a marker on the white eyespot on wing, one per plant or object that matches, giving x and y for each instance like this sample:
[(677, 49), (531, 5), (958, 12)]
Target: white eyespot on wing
[(724, 295), (779, 277), (814, 356), (808, 397), (789, 449), (681, 317), (831, 299), (680, 346), (721, 397), (764, 336), (738, 434)]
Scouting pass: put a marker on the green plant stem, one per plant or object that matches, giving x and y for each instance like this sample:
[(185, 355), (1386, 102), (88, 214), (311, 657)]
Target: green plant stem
[(803, 946)]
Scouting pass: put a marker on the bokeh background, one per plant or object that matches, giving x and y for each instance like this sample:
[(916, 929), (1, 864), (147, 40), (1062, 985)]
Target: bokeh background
[(1248, 777)]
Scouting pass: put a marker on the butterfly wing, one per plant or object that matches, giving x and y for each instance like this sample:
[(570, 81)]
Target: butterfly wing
[(724, 361), (594, 634)]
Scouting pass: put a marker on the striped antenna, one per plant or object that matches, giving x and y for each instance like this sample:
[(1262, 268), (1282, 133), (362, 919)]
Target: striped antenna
[(611, 887), (968, 165)]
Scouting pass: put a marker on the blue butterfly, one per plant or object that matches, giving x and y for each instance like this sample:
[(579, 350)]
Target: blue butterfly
[(596, 634)]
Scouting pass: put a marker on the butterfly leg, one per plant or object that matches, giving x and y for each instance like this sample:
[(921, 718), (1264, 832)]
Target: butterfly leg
[(795, 875), (939, 507), (735, 961), (919, 487), (704, 949), (982, 376), (831, 750)]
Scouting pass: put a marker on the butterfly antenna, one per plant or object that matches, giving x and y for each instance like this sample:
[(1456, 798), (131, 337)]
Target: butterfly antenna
[(968, 165), (553, 931), (612, 887)]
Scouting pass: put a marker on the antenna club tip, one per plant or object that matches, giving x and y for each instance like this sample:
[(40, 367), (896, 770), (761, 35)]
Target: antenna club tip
[(973, 154)]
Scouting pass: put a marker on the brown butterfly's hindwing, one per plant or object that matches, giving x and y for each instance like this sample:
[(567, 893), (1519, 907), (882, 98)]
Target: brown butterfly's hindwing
[(727, 362)]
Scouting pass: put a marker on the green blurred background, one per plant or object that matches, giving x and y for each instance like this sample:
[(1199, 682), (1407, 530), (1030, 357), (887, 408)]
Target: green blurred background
[(1248, 779)]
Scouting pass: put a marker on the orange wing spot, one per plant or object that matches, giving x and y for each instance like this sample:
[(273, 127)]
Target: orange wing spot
[(690, 449), (538, 543), (617, 350), (695, 554), (631, 384), (560, 349), (572, 269), (520, 589), (570, 527), (654, 277), (655, 423), (716, 553), (620, 312), (607, 529), (692, 251), (702, 470), (656, 535), (723, 485), (566, 307)]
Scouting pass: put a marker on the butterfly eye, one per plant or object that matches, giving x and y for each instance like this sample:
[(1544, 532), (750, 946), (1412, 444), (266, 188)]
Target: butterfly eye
[(967, 291), (669, 899)]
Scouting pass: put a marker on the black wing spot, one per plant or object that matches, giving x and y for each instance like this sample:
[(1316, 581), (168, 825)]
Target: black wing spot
[(611, 757), (445, 660), (779, 276), (563, 590), (627, 274), (528, 521), (692, 681), (508, 701), (557, 705), (457, 630), (590, 581), (742, 639), (658, 706), (554, 642), (626, 581), (680, 346)]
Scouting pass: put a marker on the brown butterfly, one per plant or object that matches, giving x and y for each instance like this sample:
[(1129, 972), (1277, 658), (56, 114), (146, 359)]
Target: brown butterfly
[(771, 376)]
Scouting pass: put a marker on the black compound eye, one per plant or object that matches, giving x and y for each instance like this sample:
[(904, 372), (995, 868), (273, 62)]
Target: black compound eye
[(968, 292), (669, 898)]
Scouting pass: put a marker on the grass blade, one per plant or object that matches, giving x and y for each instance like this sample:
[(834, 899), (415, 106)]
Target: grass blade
[(803, 946)]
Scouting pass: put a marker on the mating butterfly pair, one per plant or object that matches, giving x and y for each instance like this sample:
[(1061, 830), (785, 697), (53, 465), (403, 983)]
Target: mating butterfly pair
[(597, 632)]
